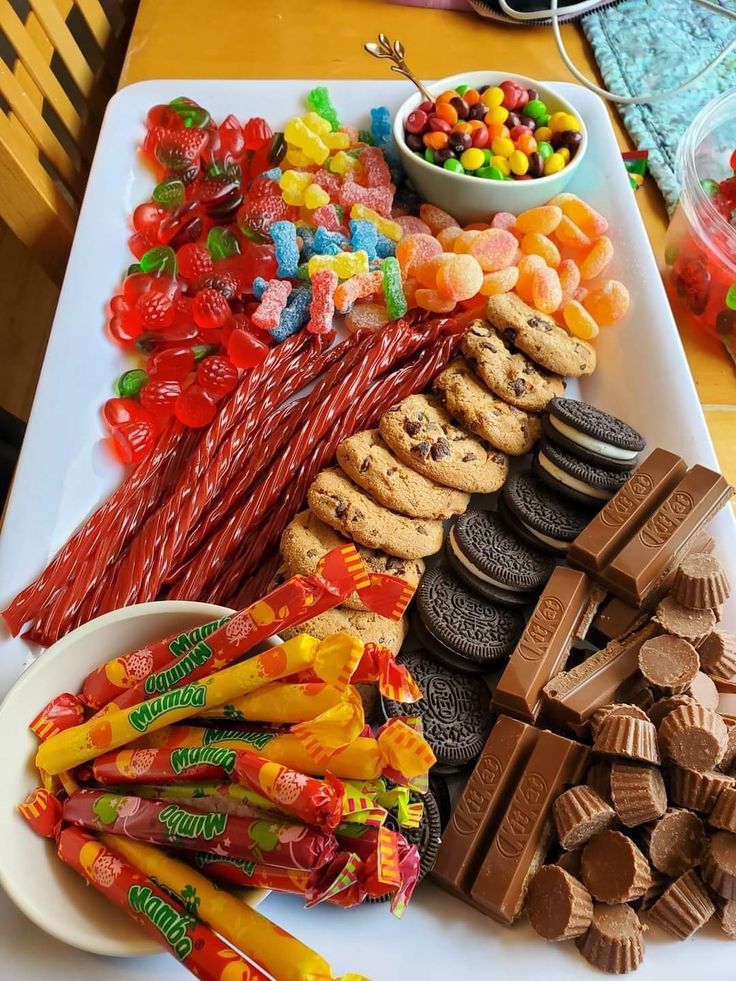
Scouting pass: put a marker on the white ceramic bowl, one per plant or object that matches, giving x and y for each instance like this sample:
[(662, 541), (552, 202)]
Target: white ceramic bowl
[(471, 199), (46, 890)]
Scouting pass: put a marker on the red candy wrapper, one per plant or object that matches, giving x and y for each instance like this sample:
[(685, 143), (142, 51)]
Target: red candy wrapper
[(313, 801), (122, 673), (43, 811), (339, 573), (165, 823), (61, 713), (335, 883), (164, 918)]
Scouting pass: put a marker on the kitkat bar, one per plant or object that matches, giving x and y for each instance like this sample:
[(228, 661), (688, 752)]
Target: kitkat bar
[(633, 545), (545, 644), (526, 829), (629, 507), (502, 824), (655, 549), (478, 812), (610, 675)]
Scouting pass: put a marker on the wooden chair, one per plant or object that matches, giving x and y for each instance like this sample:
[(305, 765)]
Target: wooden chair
[(59, 64)]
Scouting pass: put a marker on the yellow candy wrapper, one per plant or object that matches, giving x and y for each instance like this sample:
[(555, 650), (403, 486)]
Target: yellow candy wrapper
[(281, 703), (398, 751), (330, 658), (266, 944)]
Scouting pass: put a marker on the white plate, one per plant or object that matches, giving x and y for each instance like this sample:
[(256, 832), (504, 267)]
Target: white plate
[(47, 891), (643, 376)]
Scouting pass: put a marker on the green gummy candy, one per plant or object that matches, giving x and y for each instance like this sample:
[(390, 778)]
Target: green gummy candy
[(461, 89), (169, 194), (135, 267), (543, 119), (251, 235), (731, 297), (365, 136), (222, 243), (302, 272), (393, 291), (429, 154), (454, 165), (162, 259), (130, 383), (545, 149), (319, 101)]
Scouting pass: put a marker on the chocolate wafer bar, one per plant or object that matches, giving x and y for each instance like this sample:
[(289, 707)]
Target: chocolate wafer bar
[(503, 819), (610, 675), (478, 812), (545, 644), (633, 545), (526, 829)]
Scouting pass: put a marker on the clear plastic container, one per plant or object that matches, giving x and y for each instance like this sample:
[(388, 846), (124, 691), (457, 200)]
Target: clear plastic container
[(700, 250)]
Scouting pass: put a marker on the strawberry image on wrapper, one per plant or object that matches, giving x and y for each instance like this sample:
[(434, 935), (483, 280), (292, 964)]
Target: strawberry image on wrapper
[(162, 917)]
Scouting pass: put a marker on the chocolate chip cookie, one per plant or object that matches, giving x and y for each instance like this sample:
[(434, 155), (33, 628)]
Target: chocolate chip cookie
[(508, 373), (540, 337), (367, 460), (342, 505), (306, 539), (422, 434), (476, 408), (369, 627)]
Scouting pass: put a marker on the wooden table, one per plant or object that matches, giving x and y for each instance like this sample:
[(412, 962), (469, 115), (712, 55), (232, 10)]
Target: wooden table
[(324, 39)]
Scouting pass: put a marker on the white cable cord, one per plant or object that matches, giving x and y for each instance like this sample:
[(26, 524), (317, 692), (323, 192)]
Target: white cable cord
[(583, 7)]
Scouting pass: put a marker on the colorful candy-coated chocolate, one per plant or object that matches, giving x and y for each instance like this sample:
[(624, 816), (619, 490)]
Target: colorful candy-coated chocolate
[(452, 132)]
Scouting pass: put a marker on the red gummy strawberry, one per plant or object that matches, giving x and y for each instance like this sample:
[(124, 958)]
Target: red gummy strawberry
[(178, 150), (217, 375), (259, 213)]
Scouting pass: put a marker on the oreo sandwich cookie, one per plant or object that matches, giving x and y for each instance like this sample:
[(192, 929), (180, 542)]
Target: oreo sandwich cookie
[(475, 632), (488, 557), (592, 434), (426, 836), (582, 481), (539, 515), (455, 710)]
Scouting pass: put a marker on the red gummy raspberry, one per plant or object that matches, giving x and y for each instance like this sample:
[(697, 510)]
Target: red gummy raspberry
[(210, 309), (155, 310), (217, 375), (194, 260), (159, 396)]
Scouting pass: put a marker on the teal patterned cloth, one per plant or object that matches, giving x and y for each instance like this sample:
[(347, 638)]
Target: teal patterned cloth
[(649, 45)]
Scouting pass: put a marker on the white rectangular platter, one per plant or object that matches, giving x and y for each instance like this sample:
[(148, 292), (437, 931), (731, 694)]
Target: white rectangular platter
[(64, 474)]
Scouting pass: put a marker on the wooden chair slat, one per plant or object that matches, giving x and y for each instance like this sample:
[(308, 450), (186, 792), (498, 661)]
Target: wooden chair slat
[(38, 129), (30, 57), (97, 21), (34, 206), (64, 44)]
